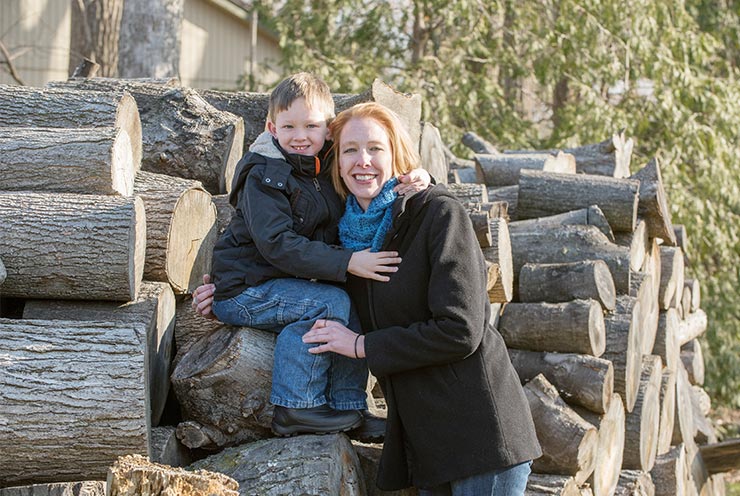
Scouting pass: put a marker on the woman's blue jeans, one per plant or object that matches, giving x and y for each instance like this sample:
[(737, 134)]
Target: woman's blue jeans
[(508, 481), (289, 307)]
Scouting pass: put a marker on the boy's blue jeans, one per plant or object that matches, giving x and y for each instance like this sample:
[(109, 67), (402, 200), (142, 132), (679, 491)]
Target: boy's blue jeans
[(289, 307)]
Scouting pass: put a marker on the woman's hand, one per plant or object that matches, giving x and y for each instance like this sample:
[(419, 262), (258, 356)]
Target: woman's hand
[(203, 298), (335, 337), (416, 180), (369, 265)]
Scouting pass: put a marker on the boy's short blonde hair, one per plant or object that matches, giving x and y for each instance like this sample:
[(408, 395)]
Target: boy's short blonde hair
[(305, 85), (404, 154)]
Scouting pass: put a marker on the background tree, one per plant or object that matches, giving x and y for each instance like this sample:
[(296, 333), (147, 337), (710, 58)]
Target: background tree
[(95, 29)]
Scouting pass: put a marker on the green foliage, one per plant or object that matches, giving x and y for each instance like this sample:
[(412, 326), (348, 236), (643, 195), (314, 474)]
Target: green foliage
[(559, 73)]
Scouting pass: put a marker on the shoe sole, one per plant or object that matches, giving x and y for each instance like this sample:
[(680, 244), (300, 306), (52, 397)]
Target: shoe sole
[(281, 432)]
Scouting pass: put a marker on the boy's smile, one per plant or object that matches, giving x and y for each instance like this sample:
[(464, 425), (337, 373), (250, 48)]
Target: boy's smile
[(300, 129)]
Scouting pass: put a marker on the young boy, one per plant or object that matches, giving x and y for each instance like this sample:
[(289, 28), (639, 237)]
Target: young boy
[(282, 240)]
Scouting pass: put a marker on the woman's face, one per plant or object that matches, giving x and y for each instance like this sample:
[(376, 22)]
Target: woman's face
[(365, 158)]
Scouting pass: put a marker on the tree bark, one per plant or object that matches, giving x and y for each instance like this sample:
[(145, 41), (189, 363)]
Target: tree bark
[(611, 157), (643, 422), (558, 283), (134, 475), (24, 106), (478, 144), (592, 216), (307, 464), (653, 206), (242, 360), (666, 342), (431, 151), (151, 34), (635, 483), (190, 327), (181, 230), (570, 244), (3, 272), (623, 350), (499, 254), (693, 360), (167, 449), (75, 398), (508, 194), (609, 447), (154, 309), (548, 193), (81, 488), (669, 473), (544, 485), (667, 410), (463, 175), (86, 161), (568, 442), (671, 277), (721, 457), (52, 246), (571, 327), (96, 27), (469, 192), (504, 169), (183, 135)]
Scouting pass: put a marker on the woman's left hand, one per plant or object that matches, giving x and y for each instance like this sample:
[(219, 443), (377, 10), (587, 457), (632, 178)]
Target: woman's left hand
[(335, 337)]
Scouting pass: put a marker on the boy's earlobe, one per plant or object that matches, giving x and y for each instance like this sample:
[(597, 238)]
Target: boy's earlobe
[(271, 128)]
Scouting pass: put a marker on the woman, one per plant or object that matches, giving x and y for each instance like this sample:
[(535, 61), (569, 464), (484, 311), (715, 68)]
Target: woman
[(458, 422)]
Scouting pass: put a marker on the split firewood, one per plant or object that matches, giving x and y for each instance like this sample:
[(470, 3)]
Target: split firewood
[(180, 230), (25, 106), (52, 246), (154, 309), (693, 360), (134, 475), (431, 151), (670, 473), (582, 380), (308, 464), (572, 327), (592, 216), (182, 134), (671, 277), (653, 205), (623, 349), (691, 327), (666, 342), (568, 442), (85, 160), (167, 449), (75, 398), (635, 483), (478, 144), (547, 484), (682, 240), (667, 410), (481, 226), (548, 193), (638, 243), (643, 422), (504, 169), (652, 263), (82, 488), (499, 254)]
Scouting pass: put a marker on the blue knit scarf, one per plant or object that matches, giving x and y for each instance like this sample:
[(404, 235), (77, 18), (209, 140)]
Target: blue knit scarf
[(359, 229)]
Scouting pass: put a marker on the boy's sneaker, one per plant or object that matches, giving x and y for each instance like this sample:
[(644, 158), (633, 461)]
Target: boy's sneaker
[(372, 429), (317, 420)]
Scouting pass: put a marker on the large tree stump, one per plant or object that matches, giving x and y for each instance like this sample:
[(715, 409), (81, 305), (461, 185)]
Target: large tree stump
[(134, 475), (591, 216), (670, 473), (183, 135), (223, 385), (308, 464), (667, 410), (581, 380), (478, 144), (88, 161), (503, 169), (570, 244), (431, 151), (635, 483), (568, 442), (82, 488), (499, 254), (643, 422), (74, 398), (557, 283), (571, 327), (623, 350), (545, 485), (609, 447), (24, 106), (548, 193), (62, 245), (653, 206), (154, 309)]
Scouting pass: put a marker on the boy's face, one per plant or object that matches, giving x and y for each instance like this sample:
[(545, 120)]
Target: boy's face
[(300, 129)]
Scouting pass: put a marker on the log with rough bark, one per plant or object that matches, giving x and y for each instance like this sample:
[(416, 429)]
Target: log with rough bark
[(692, 326), (609, 447), (570, 244), (241, 358), (721, 457), (666, 343), (568, 441), (462, 175), (634, 483), (224, 212), (504, 169), (667, 410), (307, 464), (250, 106), (180, 229), (81, 488), (693, 360), (154, 308), (469, 192), (89, 161), (582, 380), (611, 157), (671, 277), (478, 144), (556, 485), (431, 152), (508, 194), (190, 327), (572, 327), (182, 134), (638, 243), (592, 216), (643, 422), (653, 205), (134, 475), (555, 283), (623, 350), (701, 404), (548, 193), (481, 226), (74, 399), (682, 241), (24, 106), (499, 254), (52, 246), (670, 473), (167, 449)]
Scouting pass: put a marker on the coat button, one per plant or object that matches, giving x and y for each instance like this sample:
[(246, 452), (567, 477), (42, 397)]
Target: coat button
[(267, 180), (280, 184)]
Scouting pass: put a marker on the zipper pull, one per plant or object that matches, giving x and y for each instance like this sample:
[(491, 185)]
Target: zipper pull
[(316, 184)]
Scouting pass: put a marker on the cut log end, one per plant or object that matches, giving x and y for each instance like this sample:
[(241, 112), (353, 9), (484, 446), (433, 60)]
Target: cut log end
[(122, 174), (137, 251)]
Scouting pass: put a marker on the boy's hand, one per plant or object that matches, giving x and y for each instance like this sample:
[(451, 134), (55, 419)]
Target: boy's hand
[(203, 298), (372, 265), (416, 180)]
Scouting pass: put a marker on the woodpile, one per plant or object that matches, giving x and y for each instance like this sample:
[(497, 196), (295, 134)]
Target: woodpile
[(108, 222)]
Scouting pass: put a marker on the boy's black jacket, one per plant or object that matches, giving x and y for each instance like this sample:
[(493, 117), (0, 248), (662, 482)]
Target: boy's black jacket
[(285, 224)]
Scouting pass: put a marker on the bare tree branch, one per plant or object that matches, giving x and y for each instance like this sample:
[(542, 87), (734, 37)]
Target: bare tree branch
[(9, 62)]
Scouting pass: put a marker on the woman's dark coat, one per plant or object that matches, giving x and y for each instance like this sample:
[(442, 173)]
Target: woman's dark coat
[(456, 407)]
